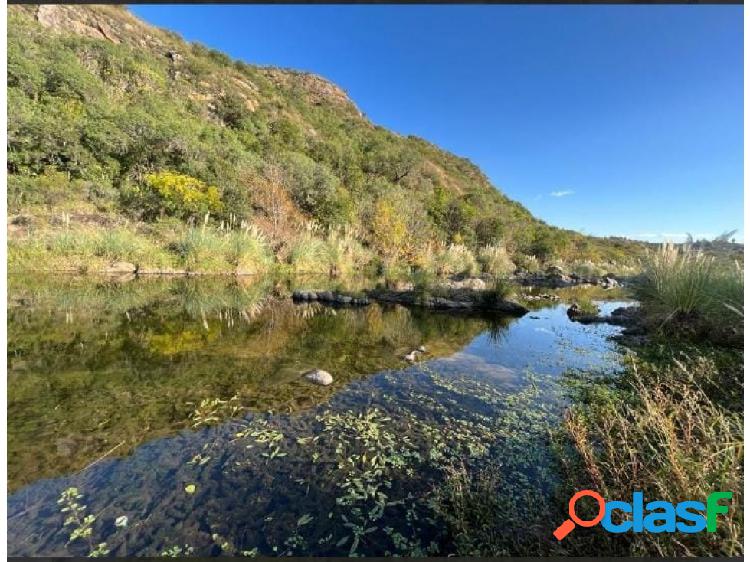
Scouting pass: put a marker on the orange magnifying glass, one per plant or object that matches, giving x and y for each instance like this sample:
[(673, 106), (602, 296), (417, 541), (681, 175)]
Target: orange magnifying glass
[(569, 524)]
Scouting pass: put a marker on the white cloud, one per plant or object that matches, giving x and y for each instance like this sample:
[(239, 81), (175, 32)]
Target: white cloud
[(562, 193)]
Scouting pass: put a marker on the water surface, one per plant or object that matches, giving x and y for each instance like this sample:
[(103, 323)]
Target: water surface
[(179, 404)]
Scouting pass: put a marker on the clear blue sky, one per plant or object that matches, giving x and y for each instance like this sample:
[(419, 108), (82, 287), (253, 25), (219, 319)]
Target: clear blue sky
[(612, 120)]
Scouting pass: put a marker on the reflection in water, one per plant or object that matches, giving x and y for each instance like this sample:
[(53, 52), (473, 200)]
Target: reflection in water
[(182, 383)]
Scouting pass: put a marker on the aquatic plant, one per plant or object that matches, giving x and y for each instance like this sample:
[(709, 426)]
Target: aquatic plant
[(80, 522)]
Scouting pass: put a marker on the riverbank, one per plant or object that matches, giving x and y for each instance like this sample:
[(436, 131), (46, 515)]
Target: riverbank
[(671, 425)]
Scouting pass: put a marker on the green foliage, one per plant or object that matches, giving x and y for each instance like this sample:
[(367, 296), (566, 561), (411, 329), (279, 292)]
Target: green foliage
[(201, 248), (80, 522), (121, 126), (315, 189)]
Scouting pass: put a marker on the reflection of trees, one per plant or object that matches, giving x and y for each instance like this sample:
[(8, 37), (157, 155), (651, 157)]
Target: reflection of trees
[(137, 353), (497, 329)]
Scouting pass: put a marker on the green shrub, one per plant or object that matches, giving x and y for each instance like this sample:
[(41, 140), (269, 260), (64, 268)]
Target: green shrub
[(69, 243), (679, 282), (345, 253)]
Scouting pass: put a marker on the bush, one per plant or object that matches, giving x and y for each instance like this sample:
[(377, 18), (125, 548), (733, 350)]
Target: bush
[(178, 195), (345, 253), (527, 263), (310, 254)]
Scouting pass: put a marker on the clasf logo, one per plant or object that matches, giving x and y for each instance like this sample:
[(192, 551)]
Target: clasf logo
[(655, 517)]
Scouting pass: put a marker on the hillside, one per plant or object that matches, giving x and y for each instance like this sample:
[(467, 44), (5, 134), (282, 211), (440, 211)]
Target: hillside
[(116, 126)]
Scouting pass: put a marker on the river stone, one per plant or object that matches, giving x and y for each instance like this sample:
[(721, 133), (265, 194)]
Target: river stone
[(411, 357), (319, 376), (121, 267)]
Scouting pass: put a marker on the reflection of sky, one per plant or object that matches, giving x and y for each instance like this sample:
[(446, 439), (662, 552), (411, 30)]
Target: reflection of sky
[(544, 342)]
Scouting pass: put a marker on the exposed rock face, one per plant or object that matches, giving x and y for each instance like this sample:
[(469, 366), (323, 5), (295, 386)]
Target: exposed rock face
[(112, 23), (317, 89), (319, 376)]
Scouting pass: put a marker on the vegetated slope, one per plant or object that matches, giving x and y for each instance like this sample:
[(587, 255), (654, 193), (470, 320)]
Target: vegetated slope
[(109, 114)]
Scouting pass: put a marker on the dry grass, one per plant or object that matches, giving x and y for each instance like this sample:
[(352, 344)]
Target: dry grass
[(665, 432)]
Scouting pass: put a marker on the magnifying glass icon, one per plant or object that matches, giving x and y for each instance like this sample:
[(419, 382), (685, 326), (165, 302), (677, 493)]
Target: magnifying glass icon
[(569, 524)]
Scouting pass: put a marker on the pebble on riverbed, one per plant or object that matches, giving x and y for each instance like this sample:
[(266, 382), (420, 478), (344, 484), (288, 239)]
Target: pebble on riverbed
[(319, 376)]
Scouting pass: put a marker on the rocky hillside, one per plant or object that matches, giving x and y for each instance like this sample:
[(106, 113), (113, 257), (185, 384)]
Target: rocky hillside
[(109, 116)]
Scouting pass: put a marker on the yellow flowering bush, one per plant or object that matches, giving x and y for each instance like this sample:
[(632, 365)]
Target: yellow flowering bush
[(179, 195)]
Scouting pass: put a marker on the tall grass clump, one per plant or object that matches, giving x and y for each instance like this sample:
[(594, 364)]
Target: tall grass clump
[(527, 263), (309, 254), (587, 269), (344, 253), (681, 283), (677, 279), (202, 249), (671, 431), (69, 243), (494, 259), (455, 259), (123, 244), (247, 250)]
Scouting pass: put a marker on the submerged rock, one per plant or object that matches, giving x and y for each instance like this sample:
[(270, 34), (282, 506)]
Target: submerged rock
[(319, 376)]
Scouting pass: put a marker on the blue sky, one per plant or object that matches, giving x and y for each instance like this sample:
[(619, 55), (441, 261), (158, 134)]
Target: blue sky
[(611, 120)]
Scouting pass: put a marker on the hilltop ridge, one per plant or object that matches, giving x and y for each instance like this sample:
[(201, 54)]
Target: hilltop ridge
[(108, 114)]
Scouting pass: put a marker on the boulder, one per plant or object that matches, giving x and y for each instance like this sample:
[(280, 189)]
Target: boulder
[(319, 376), (475, 284), (119, 267)]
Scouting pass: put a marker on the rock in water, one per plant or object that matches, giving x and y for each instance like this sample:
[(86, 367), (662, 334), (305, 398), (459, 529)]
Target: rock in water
[(411, 357), (319, 376)]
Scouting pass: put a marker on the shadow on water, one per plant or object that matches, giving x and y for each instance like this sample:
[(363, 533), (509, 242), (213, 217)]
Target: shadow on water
[(179, 404)]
